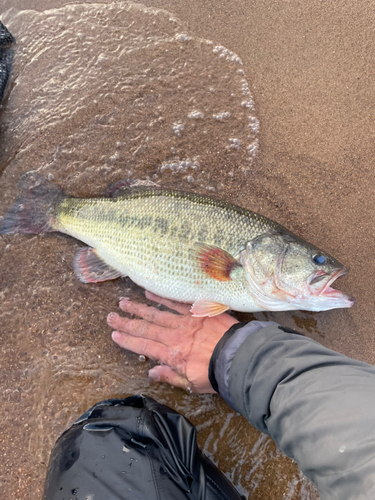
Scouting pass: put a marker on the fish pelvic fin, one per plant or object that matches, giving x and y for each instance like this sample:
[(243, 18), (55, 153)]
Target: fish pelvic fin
[(122, 186), (217, 263), (33, 212), (90, 268), (202, 308)]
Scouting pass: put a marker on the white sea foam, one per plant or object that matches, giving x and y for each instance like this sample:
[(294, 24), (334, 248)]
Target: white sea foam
[(196, 115), (234, 144), (254, 124), (183, 38), (151, 87), (247, 104), (252, 148), (227, 54), (178, 165), (178, 128), (221, 116)]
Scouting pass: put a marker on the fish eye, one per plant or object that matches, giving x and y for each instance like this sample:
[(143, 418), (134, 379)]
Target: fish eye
[(319, 259)]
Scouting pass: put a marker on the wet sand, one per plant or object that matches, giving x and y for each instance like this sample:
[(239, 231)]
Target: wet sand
[(310, 72)]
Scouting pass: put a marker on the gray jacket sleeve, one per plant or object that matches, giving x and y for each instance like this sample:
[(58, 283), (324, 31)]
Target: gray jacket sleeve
[(318, 405)]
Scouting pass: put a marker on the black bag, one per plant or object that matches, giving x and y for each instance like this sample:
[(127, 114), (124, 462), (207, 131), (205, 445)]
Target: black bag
[(6, 57), (133, 448)]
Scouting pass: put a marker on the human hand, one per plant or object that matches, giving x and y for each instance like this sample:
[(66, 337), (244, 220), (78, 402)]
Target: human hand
[(182, 343)]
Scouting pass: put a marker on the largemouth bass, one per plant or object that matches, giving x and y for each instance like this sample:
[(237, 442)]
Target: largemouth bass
[(183, 246)]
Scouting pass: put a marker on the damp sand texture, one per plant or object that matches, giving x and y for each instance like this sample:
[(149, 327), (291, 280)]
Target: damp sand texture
[(308, 77)]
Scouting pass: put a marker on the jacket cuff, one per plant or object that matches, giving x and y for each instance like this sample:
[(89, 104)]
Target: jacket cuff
[(224, 352)]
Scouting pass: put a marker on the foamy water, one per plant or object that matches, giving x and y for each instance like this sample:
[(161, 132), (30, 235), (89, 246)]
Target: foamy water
[(129, 81), (98, 93)]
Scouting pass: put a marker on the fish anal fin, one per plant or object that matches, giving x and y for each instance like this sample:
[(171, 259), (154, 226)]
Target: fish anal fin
[(217, 263), (90, 268), (202, 308), (122, 186)]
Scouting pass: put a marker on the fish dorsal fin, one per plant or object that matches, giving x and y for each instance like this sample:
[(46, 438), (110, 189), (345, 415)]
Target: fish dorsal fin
[(202, 308), (122, 186), (90, 268), (216, 262)]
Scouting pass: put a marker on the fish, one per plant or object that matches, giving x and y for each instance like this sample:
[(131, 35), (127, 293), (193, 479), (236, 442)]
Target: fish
[(182, 246)]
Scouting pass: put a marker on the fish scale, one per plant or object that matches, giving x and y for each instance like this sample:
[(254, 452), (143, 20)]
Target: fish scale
[(182, 246), (153, 239)]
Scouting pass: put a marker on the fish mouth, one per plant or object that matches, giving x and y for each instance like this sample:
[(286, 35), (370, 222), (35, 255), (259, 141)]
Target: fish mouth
[(326, 290)]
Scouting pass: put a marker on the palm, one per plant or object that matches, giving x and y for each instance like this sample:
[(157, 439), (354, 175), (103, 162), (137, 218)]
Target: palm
[(181, 343)]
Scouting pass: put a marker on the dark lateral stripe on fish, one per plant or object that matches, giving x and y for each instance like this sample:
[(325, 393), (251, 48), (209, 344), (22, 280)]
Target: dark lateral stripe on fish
[(79, 208), (247, 262)]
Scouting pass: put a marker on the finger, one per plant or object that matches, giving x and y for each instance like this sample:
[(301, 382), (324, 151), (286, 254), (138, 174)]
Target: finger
[(171, 304), (149, 348), (138, 328), (150, 314), (164, 373)]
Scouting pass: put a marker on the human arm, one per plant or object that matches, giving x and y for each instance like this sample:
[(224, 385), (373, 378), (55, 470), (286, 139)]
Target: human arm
[(318, 405)]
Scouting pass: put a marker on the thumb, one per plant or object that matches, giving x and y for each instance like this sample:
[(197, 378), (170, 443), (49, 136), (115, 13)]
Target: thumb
[(163, 373)]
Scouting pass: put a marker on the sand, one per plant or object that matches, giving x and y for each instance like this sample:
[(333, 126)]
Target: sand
[(310, 71)]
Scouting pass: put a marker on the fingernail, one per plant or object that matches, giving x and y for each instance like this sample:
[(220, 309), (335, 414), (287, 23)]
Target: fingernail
[(116, 335), (153, 376), (124, 300), (111, 315)]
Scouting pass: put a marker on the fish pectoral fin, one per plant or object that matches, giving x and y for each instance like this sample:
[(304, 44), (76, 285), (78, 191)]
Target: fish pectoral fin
[(217, 263), (122, 186), (90, 268), (202, 308)]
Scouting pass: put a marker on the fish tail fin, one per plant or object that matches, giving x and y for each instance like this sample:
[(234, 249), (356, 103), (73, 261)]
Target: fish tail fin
[(33, 212)]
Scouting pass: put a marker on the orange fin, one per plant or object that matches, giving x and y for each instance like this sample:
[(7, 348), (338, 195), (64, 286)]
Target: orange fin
[(217, 263), (202, 308), (90, 268)]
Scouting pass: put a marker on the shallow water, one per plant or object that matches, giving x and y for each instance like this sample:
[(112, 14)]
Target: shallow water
[(164, 100), (105, 91)]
